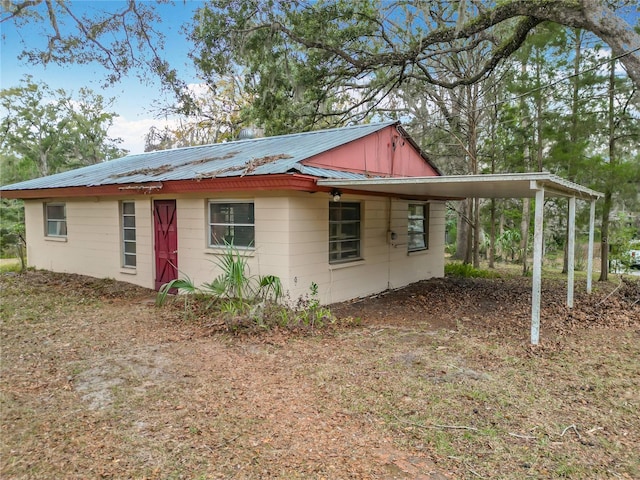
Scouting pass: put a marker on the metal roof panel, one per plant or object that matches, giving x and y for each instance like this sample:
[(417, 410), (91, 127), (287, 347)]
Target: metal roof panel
[(260, 156)]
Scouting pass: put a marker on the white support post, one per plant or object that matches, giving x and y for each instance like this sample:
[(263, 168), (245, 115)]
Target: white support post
[(538, 239), (592, 221), (571, 251)]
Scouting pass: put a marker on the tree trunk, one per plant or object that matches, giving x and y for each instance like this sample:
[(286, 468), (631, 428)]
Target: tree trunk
[(492, 235), (604, 239), (462, 233), (524, 233), (573, 133), (604, 232), (476, 232), (468, 254)]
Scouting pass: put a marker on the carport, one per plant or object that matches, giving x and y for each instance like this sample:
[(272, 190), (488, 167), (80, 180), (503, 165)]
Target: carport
[(511, 185)]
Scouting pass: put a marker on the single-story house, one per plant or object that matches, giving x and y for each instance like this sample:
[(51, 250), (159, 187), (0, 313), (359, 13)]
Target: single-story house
[(355, 210), (149, 218)]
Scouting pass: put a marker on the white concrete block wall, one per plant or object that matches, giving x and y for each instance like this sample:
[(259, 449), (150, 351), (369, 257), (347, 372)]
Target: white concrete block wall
[(199, 262), (144, 272), (93, 242), (291, 230), (272, 241), (383, 265), (191, 221)]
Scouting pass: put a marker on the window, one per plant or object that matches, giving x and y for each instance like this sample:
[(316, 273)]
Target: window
[(231, 223), (55, 220), (128, 210), (418, 229), (344, 232)]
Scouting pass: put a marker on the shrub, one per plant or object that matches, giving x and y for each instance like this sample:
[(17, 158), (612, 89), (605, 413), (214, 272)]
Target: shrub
[(458, 269)]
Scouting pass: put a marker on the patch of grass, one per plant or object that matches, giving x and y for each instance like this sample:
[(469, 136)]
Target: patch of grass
[(465, 270), (10, 266)]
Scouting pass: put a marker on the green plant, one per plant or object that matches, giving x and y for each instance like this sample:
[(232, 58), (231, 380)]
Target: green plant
[(234, 286), (235, 282), (13, 267), (509, 242), (309, 311), (458, 269), (12, 228), (184, 284)]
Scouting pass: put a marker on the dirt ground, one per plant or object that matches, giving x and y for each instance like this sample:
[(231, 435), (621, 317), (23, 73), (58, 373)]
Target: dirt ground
[(434, 381)]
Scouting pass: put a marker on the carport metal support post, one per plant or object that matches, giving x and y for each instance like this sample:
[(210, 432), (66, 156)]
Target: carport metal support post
[(571, 251), (592, 221), (538, 238)]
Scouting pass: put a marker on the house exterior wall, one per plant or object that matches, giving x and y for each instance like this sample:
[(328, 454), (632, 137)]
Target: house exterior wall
[(291, 242), (92, 245), (385, 264)]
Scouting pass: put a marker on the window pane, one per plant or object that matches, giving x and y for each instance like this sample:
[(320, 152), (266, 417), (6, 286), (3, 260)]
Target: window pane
[(344, 231), (55, 212), (219, 213), (232, 223), (128, 226), (53, 228), (416, 242), (242, 212), (56, 228), (416, 211), (55, 220), (334, 231), (416, 226), (129, 260), (231, 213), (418, 223), (218, 234), (334, 212), (128, 208), (351, 248), (243, 236), (350, 230), (351, 211)]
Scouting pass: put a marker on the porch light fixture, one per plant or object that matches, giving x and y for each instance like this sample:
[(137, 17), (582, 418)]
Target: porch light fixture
[(336, 194)]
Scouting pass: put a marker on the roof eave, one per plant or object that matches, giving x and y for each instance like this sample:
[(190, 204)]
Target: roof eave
[(289, 181)]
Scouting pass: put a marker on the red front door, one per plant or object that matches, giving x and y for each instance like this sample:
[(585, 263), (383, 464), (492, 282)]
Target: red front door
[(166, 241)]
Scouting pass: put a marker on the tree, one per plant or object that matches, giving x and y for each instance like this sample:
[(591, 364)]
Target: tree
[(619, 169), (121, 39), (341, 38), (214, 116), (372, 47), (44, 131)]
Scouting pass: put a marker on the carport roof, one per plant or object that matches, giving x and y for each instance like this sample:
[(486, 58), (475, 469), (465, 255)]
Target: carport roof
[(507, 185)]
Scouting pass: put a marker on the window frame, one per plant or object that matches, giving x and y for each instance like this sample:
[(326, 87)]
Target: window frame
[(425, 227), (343, 254), (127, 241), (61, 222), (231, 224)]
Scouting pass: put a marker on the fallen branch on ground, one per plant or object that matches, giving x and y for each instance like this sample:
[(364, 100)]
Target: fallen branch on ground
[(574, 429), (435, 425), (612, 291), (526, 437)]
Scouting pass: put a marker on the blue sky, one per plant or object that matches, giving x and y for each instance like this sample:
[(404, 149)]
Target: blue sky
[(133, 98)]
